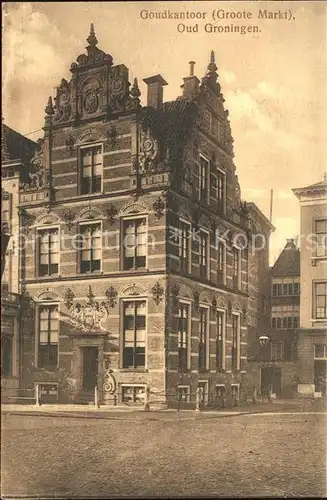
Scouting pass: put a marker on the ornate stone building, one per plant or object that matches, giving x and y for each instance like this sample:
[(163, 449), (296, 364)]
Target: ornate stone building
[(135, 258)]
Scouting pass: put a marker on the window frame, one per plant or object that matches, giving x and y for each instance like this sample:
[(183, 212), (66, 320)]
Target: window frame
[(221, 174), (315, 307), (206, 267), (222, 364), (123, 301), (206, 343), (122, 238), (80, 250), (237, 358), (133, 386), (80, 168), (239, 268), (221, 243), (38, 252), (206, 179), (39, 306), (188, 304), (185, 269), (318, 358), (316, 233)]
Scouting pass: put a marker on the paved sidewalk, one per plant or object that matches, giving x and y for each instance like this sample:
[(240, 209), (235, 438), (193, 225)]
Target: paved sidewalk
[(114, 412)]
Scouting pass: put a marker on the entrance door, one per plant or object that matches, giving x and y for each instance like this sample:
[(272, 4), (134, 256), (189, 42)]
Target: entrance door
[(320, 376), (271, 377), (90, 368)]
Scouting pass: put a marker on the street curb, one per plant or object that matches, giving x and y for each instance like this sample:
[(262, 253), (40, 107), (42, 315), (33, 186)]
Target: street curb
[(198, 416)]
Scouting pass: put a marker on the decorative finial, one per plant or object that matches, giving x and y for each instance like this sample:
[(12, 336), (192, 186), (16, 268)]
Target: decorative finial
[(49, 107), (212, 67), (192, 64), (135, 91), (92, 39)]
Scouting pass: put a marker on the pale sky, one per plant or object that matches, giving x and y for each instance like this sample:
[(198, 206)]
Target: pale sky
[(274, 81)]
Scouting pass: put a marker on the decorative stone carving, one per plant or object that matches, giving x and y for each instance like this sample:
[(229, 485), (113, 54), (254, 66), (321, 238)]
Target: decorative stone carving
[(86, 316), (133, 290), (111, 213), (112, 135), (91, 101), (214, 303), (148, 151), (27, 220), (39, 177), (157, 293), (111, 295), (196, 300), (159, 207), (109, 382), (69, 218)]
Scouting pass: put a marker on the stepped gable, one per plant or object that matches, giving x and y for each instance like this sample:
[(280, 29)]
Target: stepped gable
[(288, 262)]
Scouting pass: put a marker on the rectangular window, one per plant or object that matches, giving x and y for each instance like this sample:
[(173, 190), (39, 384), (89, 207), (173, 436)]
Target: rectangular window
[(235, 342), (236, 268), (183, 333), (296, 289), (220, 346), (6, 199), (91, 248), (279, 289), (6, 355), (48, 255), (134, 243), (184, 246), (203, 339), (320, 300), (290, 289), (285, 288), (221, 263), (91, 169), (134, 329), (274, 290), (133, 394), (203, 179), (320, 351), (321, 238), (48, 336), (296, 322), (277, 350), (183, 393), (221, 191), (203, 243)]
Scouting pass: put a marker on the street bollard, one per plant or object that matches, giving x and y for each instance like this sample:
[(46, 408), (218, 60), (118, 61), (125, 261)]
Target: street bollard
[(37, 395), (96, 397), (254, 397), (197, 400), (147, 399)]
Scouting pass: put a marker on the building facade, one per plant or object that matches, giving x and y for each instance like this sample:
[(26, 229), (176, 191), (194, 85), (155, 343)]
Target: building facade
[(312, 356), (280, 371), (16, 152), (136, 242)]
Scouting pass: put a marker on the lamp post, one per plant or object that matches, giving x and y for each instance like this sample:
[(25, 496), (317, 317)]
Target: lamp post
[(264, 340)]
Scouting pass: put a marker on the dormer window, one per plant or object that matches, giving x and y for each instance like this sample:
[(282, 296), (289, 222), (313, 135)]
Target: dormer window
[(91, 161)]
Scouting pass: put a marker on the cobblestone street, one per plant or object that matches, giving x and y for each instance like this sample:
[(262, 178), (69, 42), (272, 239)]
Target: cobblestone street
[(241, 455)]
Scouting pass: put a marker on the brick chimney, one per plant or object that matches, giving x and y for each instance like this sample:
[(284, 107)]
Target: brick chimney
[(191, 84), (155, 90)]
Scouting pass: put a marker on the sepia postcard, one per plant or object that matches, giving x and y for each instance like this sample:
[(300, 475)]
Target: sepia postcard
[(164, 249)]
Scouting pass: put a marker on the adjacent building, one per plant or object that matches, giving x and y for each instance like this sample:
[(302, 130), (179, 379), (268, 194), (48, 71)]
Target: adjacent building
[(16, 152), (312, 355)]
